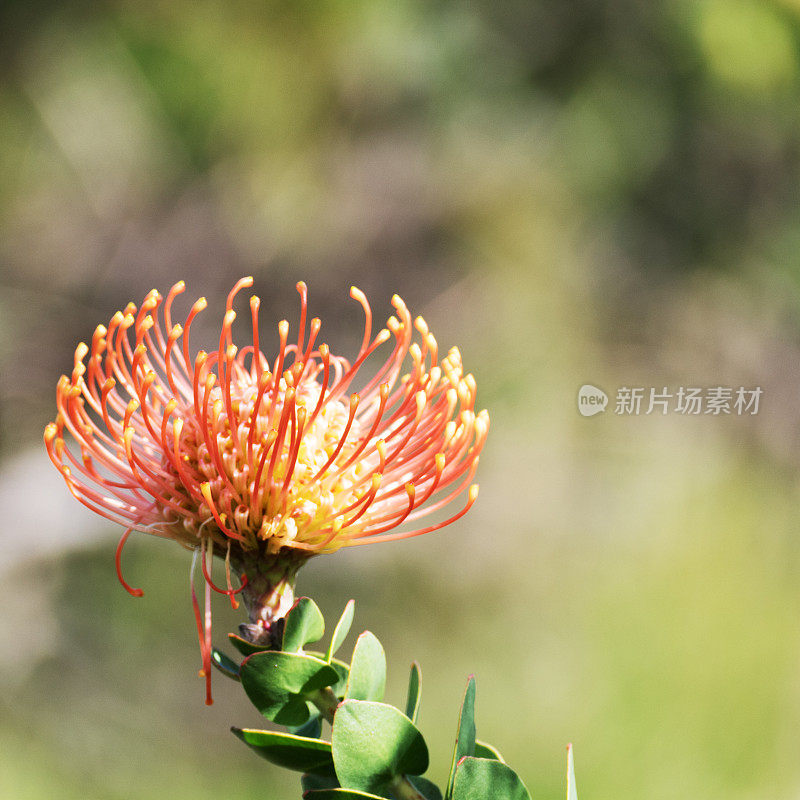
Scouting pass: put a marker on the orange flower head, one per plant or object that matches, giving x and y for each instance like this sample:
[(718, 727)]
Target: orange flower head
[(264, 462)]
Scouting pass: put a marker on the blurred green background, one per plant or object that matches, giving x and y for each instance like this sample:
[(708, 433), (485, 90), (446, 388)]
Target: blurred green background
[(586, 192)]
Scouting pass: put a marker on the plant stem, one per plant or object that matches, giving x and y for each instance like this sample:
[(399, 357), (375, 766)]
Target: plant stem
[(326, 701), (268, 593), (404, 789)]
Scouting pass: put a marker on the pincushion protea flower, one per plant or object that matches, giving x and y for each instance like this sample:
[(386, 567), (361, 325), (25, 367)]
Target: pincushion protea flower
[(263, 462)]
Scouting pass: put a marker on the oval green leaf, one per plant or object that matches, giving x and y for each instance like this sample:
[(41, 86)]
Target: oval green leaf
[(340, 687), (486, 750), (304, 624), (309, 782), (373, 743), (278, 683), (289, 751), (341, 630), (341, 667), (227, 666), (414, 684), (465, 737), (367, 670), (428, 789), (312, 728), (482, 778), (244, 647)]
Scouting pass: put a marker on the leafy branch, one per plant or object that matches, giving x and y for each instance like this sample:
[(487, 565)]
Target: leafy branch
[(375, 750)]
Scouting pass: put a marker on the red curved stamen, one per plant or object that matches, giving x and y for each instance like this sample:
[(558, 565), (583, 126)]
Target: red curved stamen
[(255, 365), (242, 579), (118, 564), (263, 383), (228, 592), (354, 399), (268, 444), (366, 500), (324, 354), (359, 296), (401, 515), (288, 411), (176, 289), (207, 647), (203, 632), (368, 437), (233, 420), (196, 309), (294, 450), (242, 283), (191, 484), (283, 333), (205, 489), (199, 363), (344, 382), (303, 290), (174, 334), (473, 495), (299, 368)]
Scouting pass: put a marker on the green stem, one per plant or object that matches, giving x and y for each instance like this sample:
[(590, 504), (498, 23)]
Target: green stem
[(404, 789), (326, 701), (269, 592)]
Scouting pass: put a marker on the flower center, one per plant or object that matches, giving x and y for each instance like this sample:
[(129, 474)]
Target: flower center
[(275, 466)]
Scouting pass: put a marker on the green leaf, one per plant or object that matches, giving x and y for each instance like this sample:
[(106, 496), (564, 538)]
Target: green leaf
[(341, 630), (465, 737), (309, 782), (486, 750), (227, 666), (572, 792), (482, 778), (278, 683), (414, 682), (341, 667), (289, 751), (244, 647), (311, 729), (373, 743), (367, 670), (304, 624), (430, 790), (340, 794)]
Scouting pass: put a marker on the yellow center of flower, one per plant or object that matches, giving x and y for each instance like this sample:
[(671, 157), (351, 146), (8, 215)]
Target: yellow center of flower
[(281, 472)]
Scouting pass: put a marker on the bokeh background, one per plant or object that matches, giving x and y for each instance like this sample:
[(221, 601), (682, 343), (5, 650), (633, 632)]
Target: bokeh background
[(597, 191)]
